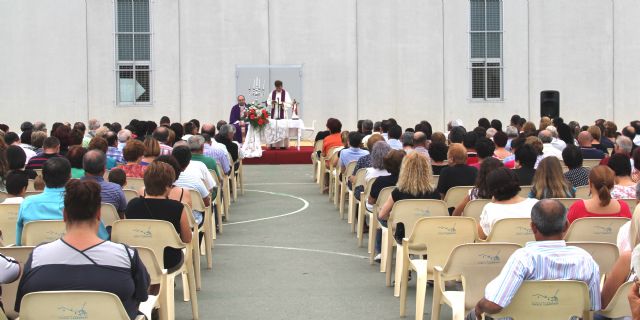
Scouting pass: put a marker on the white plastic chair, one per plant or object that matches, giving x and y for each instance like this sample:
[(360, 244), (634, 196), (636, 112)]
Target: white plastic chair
[(595, 229), (42, 231), (94, 305), (9, 290), (455, 195), (8, 218)]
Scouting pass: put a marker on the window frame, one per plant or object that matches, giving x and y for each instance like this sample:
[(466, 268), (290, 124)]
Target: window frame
[(486, 61), (133, 63)]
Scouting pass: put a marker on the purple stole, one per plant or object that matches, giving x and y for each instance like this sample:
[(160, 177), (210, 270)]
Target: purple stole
[(280, 114)]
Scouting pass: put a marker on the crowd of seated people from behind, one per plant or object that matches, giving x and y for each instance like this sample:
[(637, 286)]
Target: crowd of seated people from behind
[(494, 161)]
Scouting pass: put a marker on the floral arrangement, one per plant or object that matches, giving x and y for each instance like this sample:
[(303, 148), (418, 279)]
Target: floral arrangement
[(256, 115)]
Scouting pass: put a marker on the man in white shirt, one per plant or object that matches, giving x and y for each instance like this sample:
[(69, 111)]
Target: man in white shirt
[(12, 138), (192, 177), (548, 150), (556, 142)]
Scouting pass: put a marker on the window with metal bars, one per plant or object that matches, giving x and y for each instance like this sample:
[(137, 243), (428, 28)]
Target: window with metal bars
[(133, 52), (485, 36)]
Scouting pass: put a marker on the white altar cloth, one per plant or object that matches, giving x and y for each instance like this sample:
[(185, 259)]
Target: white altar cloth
[(275, 131)]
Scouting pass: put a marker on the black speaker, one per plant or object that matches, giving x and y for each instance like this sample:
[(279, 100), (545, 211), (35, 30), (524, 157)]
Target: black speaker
[(550, 104)]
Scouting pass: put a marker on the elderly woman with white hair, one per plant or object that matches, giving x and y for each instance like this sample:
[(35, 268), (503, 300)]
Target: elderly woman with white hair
[(379, 150), (556, 142)]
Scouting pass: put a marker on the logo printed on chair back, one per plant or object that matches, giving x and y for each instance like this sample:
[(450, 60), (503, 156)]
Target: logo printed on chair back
[(139, 233), (523, 231), (542, 300), (71, 313), (423, 213), (445, 230), (603, 229), (489, 258)]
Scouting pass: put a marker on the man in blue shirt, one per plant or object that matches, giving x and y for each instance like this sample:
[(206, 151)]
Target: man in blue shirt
[(354, 152), (49, 204), (94, 163), (395, 132)]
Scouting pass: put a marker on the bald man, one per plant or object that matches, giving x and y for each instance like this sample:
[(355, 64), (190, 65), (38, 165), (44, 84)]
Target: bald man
[(588, 152)]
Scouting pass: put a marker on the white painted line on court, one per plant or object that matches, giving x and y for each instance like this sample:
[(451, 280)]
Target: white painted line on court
[(277, 183), (292, 249), (304, 207)]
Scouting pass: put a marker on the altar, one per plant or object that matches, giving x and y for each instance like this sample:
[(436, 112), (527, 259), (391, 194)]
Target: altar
[(273, 132)]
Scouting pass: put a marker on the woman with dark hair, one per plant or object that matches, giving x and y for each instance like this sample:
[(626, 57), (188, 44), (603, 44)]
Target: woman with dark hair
[(80, 260), (506, 203), (63, 133), (133, 152), (158, 182), (177, 193), (549, 182), (391, 162), (438, 154), (526, 157), (485, 149), (565, 134), (577, 174), (75, 155), (178, 130), (481, 188), (4, 165), (601, 182), (334, 139), (484, 123), (624, 187), (17, 159), (496, 124), (501, 153)]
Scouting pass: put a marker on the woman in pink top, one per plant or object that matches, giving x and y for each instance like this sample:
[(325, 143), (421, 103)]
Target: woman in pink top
[(601, 181)]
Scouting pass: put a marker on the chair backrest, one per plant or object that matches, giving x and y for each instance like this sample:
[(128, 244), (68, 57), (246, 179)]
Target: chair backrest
[(478, 264), (197, 203), (548, 299), (334, 154), (605, 254), (130, 194), (151, 263), (583, 192), (408, 212), (595, 229), (108, 214), (567, 202), (360, 175), (348, 170), (42, 231), (474, 208), (30, 186), (524, 191), (435, 180), (367, 188), (317, 146), (94, 305), (439, 236), (632, 203), (153, 234), (619, 305), (8, 218), (383, 196), (9, 290), (3, 196), (455, 195), (513, 230), (135, 183), (590, 163)]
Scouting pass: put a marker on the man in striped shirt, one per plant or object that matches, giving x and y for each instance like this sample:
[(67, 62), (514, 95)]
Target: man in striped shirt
[(547, 258)]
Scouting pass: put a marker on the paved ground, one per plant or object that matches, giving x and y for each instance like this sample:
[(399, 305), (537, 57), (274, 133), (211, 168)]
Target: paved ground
[(285, 254)]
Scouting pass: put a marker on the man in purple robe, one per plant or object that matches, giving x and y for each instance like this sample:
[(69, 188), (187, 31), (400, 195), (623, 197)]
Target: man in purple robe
[(235, 118)]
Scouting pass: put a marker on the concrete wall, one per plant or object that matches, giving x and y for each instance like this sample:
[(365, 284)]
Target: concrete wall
[(361, 59)]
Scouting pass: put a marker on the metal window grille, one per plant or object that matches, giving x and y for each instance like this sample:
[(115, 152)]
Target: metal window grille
[(133, 52), (485, 37)]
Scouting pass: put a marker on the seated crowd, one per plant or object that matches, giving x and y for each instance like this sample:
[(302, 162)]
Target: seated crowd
[(70, 172), (554, 161)]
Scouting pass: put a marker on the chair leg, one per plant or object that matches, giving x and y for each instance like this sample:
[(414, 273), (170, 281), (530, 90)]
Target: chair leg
[(403, 292), (421, 293), (186, 292), (336, 190), (209, 232), (169, 311), (360, 214), (437, 298), (389, 265), (373, 228), (350, 205), (399, 269), (196, 262), (360, 227), (342, 196), (384, 250), (192, 292)]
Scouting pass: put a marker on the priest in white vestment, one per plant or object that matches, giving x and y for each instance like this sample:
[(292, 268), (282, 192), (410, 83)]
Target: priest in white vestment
[(279, 99)]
